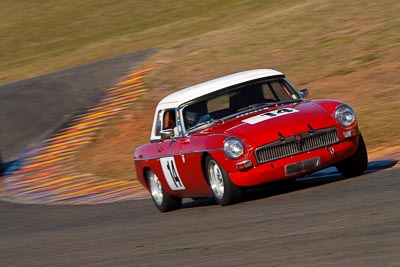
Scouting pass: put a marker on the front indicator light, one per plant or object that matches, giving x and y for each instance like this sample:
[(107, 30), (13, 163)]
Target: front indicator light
[(244, 165), (350, 133)]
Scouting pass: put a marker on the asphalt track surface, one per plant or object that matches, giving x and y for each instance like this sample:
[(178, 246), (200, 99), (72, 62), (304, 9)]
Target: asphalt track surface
[(34, 107), (323, 221)]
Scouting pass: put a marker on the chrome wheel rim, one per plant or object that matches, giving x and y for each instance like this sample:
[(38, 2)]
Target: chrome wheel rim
[(216, 179), (156, 189)]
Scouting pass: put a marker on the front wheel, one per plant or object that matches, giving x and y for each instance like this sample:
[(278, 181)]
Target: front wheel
[(162, 200), (224, 191), (357, 163)]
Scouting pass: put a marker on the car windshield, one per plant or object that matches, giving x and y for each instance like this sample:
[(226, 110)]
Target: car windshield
[(234, 101)]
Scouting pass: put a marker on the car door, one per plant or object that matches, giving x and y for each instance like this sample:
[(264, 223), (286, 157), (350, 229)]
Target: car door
[(179, 162), (169, 156), (167, 153)]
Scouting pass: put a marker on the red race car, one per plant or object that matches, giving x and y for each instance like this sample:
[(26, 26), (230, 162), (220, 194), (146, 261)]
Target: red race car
[(249, 128)]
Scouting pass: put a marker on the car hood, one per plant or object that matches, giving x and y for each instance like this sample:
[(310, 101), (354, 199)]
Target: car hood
[(268, 125)]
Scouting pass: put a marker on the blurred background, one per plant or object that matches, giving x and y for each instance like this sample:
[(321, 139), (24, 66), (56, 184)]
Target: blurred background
[(345, 50)]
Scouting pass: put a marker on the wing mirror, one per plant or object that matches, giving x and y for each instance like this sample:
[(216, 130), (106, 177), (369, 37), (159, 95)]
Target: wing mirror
[(166, 134), (305, 93)]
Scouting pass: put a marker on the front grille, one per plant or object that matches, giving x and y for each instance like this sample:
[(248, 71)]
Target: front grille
[(305, 142)]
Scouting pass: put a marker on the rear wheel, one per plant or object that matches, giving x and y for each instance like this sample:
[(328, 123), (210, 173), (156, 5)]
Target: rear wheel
[(224, 191), (357, 163), (163, 201)]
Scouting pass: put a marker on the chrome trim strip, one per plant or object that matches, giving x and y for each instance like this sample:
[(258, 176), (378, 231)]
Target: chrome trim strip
[(173, 155)]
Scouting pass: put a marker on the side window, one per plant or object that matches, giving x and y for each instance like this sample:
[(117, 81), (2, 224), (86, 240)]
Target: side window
[(158, 125), (169, 119), (166, 119)]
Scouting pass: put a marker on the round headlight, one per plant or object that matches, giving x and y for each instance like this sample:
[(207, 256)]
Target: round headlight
[(233, 148), (345, 115)]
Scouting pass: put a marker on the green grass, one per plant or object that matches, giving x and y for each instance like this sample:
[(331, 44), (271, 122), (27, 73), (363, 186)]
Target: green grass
[(41, 36), (346, 50)]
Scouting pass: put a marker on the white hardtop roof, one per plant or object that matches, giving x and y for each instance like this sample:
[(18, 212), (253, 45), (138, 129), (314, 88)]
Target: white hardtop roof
[(190, 93)]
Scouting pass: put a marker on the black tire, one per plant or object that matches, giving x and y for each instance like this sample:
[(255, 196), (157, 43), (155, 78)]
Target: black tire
[(223, 190), (163, 201), (357, 163)]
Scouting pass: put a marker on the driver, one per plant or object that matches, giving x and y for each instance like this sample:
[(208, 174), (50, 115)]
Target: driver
[(196, 113)]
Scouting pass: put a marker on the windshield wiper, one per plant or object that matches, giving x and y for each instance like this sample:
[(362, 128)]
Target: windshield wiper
[(256, 105), (201, 124), (290, 101)]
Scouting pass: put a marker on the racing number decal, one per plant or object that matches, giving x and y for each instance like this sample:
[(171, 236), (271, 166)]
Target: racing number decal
[(171, 173), (270, 115)]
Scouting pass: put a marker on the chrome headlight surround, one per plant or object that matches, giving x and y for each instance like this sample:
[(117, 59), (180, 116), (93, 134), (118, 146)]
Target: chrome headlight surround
[(345, 115), (233, 148)]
